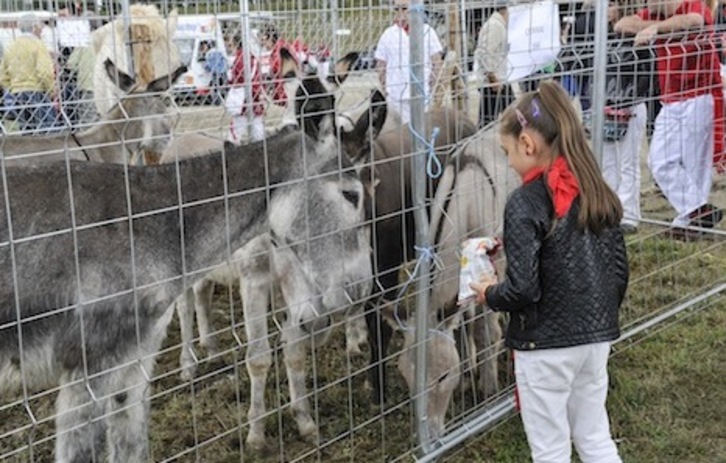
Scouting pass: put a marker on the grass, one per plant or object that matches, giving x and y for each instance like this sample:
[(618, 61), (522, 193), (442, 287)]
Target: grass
[(667, 398)]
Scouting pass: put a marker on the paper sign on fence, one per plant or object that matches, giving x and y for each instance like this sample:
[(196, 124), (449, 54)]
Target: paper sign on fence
[(73, 32), (533, 33)]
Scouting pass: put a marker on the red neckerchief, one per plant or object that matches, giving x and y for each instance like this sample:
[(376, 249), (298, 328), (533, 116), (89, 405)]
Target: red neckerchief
[(403, 26), (562, 183)]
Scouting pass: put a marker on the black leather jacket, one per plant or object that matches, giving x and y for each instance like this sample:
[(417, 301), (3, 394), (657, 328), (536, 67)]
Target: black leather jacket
[(563, 286)]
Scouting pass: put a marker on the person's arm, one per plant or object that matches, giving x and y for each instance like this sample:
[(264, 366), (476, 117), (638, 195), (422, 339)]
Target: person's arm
[(74, 60), (490, 53), (44, 70), (381, 56), (522, 243), (480, 52), (4, 76), (381, 71), (631, 25), (436, 64), (436, 50)]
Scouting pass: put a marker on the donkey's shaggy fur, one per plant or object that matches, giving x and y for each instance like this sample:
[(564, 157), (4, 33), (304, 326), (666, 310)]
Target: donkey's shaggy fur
[(92, 256)]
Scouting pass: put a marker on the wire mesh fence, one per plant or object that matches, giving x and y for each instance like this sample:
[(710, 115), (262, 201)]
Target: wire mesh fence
[(139, 329)]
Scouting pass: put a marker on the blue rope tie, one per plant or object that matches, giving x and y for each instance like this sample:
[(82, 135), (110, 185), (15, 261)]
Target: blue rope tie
[(434, 169), (424, 253)]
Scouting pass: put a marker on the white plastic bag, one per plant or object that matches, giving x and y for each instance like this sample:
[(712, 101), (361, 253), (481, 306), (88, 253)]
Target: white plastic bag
[(476, 265), (235, 99)]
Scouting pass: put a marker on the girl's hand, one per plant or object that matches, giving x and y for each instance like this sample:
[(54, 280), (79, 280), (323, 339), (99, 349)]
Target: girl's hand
[(481, 289)]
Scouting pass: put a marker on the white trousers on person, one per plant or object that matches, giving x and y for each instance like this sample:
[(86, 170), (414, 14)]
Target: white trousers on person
[(562, 396), (621, 164), (238, 129), (681, 154)]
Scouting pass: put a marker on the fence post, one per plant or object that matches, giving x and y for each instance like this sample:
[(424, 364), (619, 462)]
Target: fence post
[(247, 60), (126, 12), (598, 83), (418, 161)]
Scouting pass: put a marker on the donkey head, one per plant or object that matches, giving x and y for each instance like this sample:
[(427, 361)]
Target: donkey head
[(336, 251), (143, 120)]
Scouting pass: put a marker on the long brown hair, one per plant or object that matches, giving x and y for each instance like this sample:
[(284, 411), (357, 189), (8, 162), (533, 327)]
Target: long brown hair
[(550, 112)]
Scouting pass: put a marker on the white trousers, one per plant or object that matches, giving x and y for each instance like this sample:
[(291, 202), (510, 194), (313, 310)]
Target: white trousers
[(621, 164), (562, 396), (681, 154), (238, 129)]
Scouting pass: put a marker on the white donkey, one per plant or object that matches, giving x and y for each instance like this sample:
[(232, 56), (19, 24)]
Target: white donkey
[(469, 202), (91, 260), (154, 52)]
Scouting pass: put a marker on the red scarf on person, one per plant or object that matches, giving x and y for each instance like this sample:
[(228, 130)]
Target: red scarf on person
[(562, 183), (404, 26)]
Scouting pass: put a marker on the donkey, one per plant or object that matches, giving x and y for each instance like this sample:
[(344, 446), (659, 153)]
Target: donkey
[(470, 202), (393, 224), (92, 258), (312, 103), (137, 127), (154, 52)]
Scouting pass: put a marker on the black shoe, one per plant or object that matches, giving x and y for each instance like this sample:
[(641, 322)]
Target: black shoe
[(706, 216), (628, 228), (684, 234)]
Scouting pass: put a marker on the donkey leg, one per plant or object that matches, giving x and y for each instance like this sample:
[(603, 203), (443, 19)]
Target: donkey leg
[(127, 414), (79, 431), (295, 352), (184, 306), (203, 292), (254, 290), (467, 350), (355, 333), (488, 339), (380, 333)]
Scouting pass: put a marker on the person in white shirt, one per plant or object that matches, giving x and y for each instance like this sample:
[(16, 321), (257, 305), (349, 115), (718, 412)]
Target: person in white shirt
[(491, 57), (392, 62)]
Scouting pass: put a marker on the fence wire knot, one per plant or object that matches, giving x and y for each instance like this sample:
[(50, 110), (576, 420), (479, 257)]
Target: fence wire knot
[(434, 168)]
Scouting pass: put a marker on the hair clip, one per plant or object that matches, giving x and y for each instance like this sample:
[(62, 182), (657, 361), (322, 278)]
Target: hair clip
[(520, 117), (535, 108)]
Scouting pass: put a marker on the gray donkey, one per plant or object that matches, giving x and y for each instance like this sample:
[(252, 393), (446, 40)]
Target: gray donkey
[(93, 255), (137, 128)]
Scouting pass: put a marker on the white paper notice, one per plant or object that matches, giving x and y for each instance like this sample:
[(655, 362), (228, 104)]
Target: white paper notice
[(533, 34)]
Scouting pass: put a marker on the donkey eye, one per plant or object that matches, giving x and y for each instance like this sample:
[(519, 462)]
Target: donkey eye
[(352, 197)]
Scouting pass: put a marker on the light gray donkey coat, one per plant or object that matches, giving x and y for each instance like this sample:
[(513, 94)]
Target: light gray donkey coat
[(92, 256)]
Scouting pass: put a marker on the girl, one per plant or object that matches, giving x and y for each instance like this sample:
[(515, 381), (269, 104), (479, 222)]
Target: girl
[(566, 276)]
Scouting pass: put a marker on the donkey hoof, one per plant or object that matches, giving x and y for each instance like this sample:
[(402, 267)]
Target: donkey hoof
[(186, 375), (309, 433), (257, 443), (354, 351), (187, 371)]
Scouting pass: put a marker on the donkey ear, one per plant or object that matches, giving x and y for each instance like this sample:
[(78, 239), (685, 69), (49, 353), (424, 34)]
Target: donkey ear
[(120, 78), (288, 64), (342, 68), (171, 22), (163, 83), (370, 123), (314, 108)]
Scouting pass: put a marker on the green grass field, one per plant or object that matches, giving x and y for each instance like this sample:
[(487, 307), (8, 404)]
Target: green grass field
[(667, 398)]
